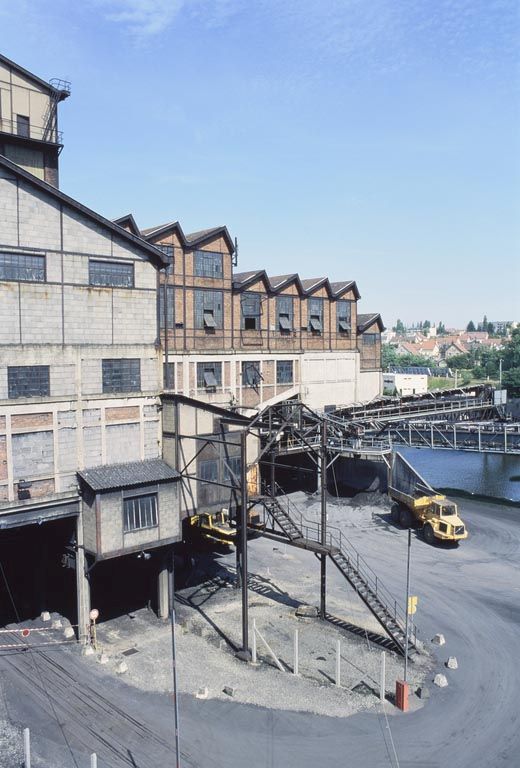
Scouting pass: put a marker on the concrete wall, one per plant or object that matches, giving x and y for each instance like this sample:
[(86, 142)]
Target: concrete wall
[(70, 326)]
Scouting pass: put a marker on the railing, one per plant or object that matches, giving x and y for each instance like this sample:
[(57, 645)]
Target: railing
[(484, 438), (31, 131), (334, 537), (337, 444)]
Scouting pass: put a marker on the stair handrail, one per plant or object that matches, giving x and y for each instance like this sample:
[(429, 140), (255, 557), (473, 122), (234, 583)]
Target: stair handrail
[(335, 537)]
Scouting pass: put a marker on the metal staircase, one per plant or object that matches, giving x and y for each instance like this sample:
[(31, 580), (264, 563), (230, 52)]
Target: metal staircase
[(61, 89), (305, 534)]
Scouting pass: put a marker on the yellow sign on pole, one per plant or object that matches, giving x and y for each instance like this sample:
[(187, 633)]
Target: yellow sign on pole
[(412, 604)]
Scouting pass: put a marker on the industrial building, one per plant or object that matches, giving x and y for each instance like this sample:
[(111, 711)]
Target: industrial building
[(93, 405)]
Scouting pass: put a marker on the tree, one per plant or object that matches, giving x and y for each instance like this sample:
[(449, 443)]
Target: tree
[(470, 327), (511, 381), (511, 352), (426, 325), (399, 327), (460, 361), (490, 329), (441, 329)]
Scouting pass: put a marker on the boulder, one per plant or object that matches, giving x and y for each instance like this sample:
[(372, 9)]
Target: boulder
[(103, 658), (307, 611), (228, 690), (202, 693), (45, 616), (68, 633), (440, 681), (452, 663), (423, 693), (438, 640), (56, 624), (87, 650), (121, 668)]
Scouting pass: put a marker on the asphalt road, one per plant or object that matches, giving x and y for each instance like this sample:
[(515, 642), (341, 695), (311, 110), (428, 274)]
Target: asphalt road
[(471, 594)]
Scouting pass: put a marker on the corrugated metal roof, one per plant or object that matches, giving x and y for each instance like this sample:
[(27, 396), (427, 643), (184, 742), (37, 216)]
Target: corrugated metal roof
[(128, 475)]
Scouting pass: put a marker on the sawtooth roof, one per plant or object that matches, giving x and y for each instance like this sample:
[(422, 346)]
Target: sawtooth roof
[(364, 321)]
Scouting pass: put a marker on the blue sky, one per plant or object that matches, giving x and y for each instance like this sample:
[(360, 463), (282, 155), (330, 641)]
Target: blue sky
[(375, 140)]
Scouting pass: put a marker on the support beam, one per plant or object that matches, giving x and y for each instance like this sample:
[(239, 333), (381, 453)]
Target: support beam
[(244, 653), (163, 596), (82, 584), (323, 539)]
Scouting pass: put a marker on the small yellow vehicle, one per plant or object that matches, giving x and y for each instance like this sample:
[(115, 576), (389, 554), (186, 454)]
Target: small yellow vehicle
[(214, 527), (437, 515)]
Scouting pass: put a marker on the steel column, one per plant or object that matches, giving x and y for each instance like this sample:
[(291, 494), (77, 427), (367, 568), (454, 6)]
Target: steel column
[(323, 556)]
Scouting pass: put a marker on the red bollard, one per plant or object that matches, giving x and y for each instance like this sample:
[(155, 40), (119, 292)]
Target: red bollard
[(401, 695)]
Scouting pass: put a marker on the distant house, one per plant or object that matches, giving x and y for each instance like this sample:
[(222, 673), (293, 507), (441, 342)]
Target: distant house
[(453, 349), (426, 348), (405, 383)]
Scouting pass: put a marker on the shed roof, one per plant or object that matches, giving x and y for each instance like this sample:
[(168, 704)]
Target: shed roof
[(129, 475)]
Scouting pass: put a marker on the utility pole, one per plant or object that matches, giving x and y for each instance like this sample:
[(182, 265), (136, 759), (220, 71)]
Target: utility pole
[(323, 541), (500, 372), (407, 604), (171, 596)]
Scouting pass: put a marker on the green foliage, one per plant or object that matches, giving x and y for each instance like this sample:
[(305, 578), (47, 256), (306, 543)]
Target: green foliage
[(471, 326), (460, 361), (399, 327), (511, 353), (511, 381), (441, 329)]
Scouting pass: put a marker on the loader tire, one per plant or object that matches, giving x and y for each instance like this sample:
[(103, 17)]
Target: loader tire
[(429, 535), (405, 518)]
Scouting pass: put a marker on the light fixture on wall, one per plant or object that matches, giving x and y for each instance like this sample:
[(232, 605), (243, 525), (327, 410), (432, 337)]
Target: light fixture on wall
[(142, 555)]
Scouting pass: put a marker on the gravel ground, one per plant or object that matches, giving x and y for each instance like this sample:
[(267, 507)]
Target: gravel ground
[(282, 578)]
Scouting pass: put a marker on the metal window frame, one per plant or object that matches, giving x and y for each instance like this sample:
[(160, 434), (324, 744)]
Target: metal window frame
[(213, 367), (370, 339), (170, 321), (133, 506), (206, 300), (344, 315), (208, 264), (41, 387), (254, 299), (315, 313), (109, 377), (285, 311), (280, 365), (13, 261), (251, 367), (110, 269)]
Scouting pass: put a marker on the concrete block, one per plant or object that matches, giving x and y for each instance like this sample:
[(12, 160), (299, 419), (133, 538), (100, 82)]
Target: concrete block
[(45, 616), (121, 668), (438, 640), (307, 611), (68, 633), (228, 690), (87, 650), (423, 693), (202, 693), (56, 624), (452, 663), (103, 658), (440, 681)]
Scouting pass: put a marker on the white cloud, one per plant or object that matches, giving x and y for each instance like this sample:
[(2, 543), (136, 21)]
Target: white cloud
[(142, 18)]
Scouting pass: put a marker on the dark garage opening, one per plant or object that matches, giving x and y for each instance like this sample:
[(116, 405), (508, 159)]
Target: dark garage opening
[(125, 584), (33, 577)]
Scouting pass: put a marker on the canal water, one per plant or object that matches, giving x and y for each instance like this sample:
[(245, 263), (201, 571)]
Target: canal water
[(478, 474)]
